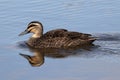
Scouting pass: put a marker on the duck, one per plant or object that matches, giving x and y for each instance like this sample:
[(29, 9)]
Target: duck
[(57, 38)]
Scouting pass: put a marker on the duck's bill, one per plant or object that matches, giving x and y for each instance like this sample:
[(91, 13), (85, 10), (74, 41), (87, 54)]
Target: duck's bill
[(25, 56), (23, 33)]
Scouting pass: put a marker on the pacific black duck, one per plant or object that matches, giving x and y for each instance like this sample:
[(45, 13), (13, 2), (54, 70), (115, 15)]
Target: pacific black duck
[(59, 38)]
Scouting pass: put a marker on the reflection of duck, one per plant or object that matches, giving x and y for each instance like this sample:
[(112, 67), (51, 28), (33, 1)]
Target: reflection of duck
[(38, 57), (59, 38), (36, 60), (38, 54)]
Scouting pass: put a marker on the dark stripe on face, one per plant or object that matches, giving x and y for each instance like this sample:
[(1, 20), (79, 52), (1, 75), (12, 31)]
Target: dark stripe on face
[(31, 26), (34, 23)]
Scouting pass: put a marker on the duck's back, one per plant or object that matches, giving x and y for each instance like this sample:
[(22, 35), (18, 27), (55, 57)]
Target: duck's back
[(61, 38)]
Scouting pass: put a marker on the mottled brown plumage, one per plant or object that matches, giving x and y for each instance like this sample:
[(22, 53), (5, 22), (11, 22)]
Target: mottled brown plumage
[(59, 38)]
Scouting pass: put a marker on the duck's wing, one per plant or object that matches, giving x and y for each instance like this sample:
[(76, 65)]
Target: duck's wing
[(61, 42), (55, 33), (66, 33), (77, 35)]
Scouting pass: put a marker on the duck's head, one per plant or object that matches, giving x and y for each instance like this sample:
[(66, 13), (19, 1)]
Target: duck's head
[(34, 27), (34, 60)]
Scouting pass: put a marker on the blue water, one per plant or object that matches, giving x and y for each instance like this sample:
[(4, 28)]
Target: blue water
[(98, 17)]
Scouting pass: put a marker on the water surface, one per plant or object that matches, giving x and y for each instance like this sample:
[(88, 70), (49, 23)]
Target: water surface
[(98, 17)]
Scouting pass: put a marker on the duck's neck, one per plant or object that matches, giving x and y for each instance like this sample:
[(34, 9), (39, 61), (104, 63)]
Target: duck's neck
[(37, 34), (32, 41)]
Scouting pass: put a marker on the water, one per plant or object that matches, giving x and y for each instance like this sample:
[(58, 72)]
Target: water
[(98, 17)]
